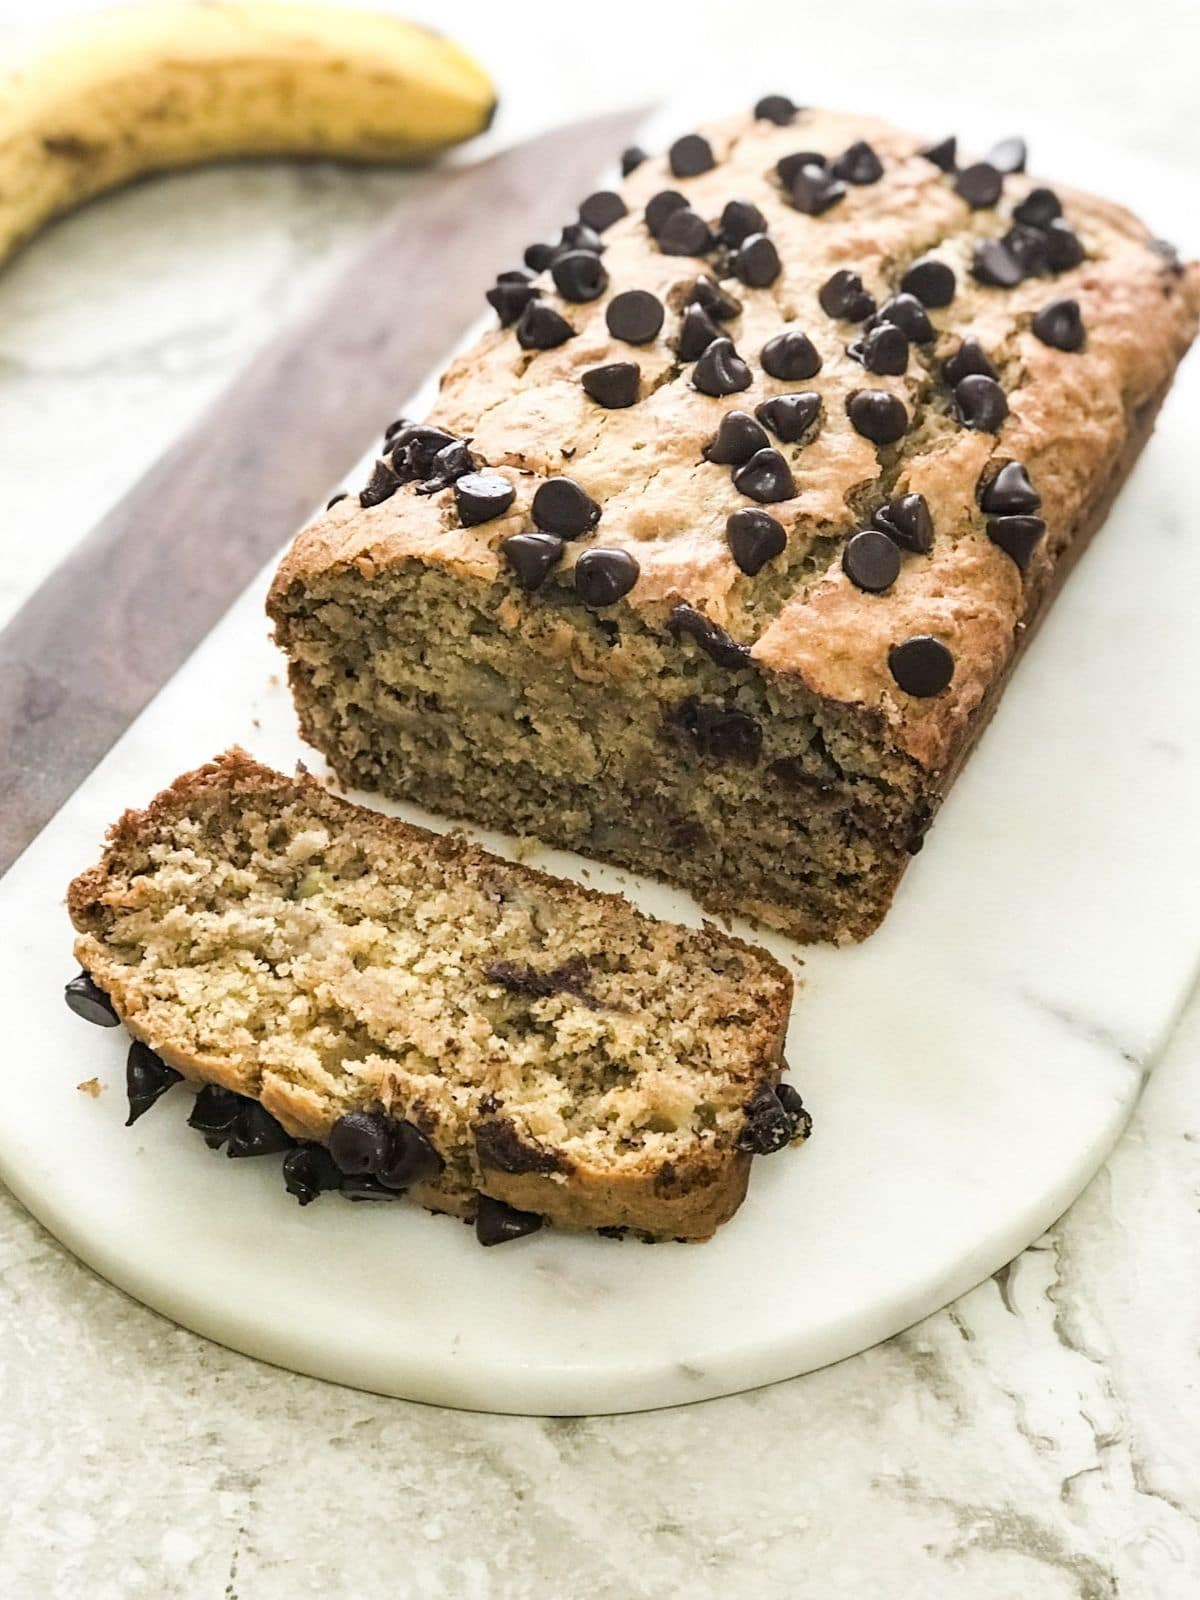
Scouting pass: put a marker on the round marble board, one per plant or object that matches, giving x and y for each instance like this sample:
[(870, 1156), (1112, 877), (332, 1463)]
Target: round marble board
[(968, 1067)]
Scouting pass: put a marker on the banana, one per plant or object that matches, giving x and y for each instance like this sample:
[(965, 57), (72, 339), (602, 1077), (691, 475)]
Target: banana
[(102, 99)]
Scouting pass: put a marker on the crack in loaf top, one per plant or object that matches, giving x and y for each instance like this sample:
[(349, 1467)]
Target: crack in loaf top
[(931, 324)]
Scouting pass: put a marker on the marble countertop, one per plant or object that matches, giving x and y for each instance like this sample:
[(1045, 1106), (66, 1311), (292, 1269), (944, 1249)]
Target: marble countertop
[(1035, 1439)]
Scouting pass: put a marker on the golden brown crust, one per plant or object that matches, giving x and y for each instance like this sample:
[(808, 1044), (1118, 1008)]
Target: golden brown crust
[(688, 1198)]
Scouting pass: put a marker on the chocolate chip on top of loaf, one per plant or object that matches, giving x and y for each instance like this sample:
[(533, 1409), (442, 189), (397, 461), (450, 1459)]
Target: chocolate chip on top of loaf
[(787, 362)]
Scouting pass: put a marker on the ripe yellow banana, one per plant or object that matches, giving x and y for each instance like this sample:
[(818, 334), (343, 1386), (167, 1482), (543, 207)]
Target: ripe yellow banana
[(103, 98)]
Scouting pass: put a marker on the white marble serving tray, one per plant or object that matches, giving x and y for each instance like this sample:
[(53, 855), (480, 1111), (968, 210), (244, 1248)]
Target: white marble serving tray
[(969, 1067)]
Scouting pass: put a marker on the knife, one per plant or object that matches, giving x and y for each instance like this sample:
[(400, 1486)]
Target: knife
[(105, 631)]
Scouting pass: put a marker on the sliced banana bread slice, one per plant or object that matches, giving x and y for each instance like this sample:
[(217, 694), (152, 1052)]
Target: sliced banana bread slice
[(448, 1023)]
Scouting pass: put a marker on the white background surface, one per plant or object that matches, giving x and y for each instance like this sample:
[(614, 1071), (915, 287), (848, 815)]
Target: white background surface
[(1038, 1439)]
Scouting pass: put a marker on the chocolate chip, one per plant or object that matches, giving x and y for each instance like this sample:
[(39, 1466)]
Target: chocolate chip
[(396, 426), (994, 263), (541, 327), (358, 1142), (967, 360), (1009, 155), (255, 1132), (871, 561), (922, 665), (790, 356), (499, 1143), (481, 496), (979, 185), (416, 447), (381, 485), (602, 576), (791, 1102), (408, 1157), (1010, 490), (931, 281), (713, 298), (685, 233), (509, 299), (336, 499), (635, 316), (578, 236), (453, 461), (308, 1171), (214, 1112), (905, 311), (755, 538), (776, 108), (720, 370), (602, 209), (613, 386), (842, 296), (532, 556), (1169, 253), (787, 167), (1018, 537), (539, 256), (757, 261), (907, 521), (631, 159), (736, 440), (859, 164), (662, 205), (766, 477), (88, 1000), (691, 156), (147, 1079), (1038, 209), (739, 220), (944, 154), (1028, 246), (789, 416), (882, 349), (355, 1187), (814, 190), (721, 647), (1060, 325), (877, 415), (579, 276), (768, 1127), (497, 1223), (1063, 249), (696, 332), (719, 734), (980, 403), (562, 506)]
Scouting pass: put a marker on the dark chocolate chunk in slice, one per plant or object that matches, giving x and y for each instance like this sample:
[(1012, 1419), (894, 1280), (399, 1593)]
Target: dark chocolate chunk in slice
[(757, 261), (843, 297), (408, 1157), (696, 332), (635, 316), (613, 386), (719, 733), (736, 440), (1060, 325), (213, 1113), (922, 665), (691, 155), (776, 108), (579, 276), (721, 371), (790, 356), (1017, 536), (859, 164), (766, 477), (739, 220), (789, 1099), (995, 264), (969, 359), (381, 485), (88, 1000), (662, 205), (931, 281), (877, 415), (768, 1126), (685, 233), (356, 1187), (255, 1132), (481, 496), (540, 327), (564, 507), (871, 561), (147, 1079), (789, 416), (1038, 209), (604, 576), (907, 520), (1008, 155), (944, 154), (497, 1223), (980, 403), (600, 210), (1010, 491), (532, 557), (499, 1144), (358, 1142), (309, 1171), (980, 185), (754, 537), (686, 622)]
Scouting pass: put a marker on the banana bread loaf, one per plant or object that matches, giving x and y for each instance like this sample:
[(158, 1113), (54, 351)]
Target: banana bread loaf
[(498, 1043), (715, 553)]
